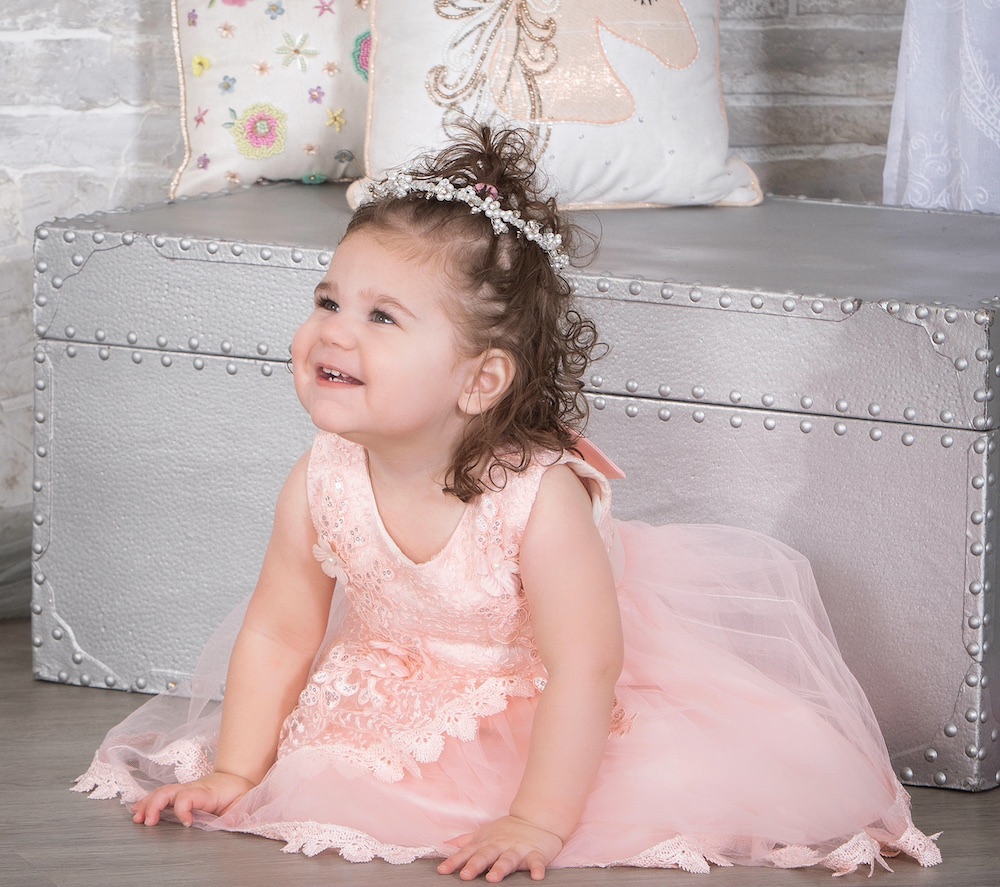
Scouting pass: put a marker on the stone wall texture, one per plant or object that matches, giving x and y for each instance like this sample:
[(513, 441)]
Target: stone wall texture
[(88, 121)]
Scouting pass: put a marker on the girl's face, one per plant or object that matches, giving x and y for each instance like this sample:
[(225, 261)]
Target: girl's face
[(378, 361)]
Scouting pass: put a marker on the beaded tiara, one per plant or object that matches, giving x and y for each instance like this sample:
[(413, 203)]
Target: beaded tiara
[(480, 198)]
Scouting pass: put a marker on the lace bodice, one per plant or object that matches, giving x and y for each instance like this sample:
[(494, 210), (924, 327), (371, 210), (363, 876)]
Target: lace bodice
[(426, 649)]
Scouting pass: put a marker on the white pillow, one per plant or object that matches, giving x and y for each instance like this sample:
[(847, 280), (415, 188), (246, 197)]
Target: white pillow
[(273, 89), (625, 94)]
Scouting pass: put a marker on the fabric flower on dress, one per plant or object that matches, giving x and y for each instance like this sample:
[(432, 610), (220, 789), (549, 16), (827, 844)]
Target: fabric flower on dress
[(296, 51), (330, 562), (381, 663), (499, 575), (260, 131), (275, 9), (199, 65), (227, 84)]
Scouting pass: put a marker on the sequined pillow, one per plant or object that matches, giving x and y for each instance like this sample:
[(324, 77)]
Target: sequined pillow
[(273, 89), (625, 95)]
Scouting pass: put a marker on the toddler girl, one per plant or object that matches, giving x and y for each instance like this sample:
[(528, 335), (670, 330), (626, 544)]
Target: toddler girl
[(453, 650)]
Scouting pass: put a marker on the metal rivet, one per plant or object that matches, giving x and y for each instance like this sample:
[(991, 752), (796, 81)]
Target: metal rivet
[(940, 778), (980, 445), (36, 485), (236, 249), (788, 304), (226, 346), (973, 649), (132, 338), (42, 233), (961, 364), (978, 482), (909, 414), (41, 451), (193, 343), (77, 260), (100, 335), (664, 414), (976, 548), (109, 681), (951, 315), (77, 658), (600, 403), (840, 428), (906, 774), (725, 301), (39, 357), (908, 439), (979, 396), (231, 368), (128, 238), (266, 369), (635, 287), (597, 380), (938, 337), (212, 247), (39, 519), (631, 411), (806, 402), (85, 679), (632, 385), (104, 353), (817, 307), (71, 351), (950, 731), (159, 241), (41, 267), (39, 417), (63, 675), (971, 715), (136, 357), (972, 680), (698, 391), (296, 255), (947, 440), (36, 641), (806, 426), (695, 294), (166, 360), (736, 421), (57, 634), (262, 348), (922, 312), (324, 258), (735, 397), (199, 364), (69, 236), (57, 283), (893, 307), (41, 301), (698, 416), (931, 755), (841, 406), (982, 354), (140, 683), (874, 409), (767, 400), (770, 423), (757, 302), (266, 254), (977, 517), (185, 243), (980, 424), (663, 391), (875, 434), (847, 306)]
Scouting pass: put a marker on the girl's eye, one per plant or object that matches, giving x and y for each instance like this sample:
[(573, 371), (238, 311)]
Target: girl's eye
[(382, 317), (327, 304)]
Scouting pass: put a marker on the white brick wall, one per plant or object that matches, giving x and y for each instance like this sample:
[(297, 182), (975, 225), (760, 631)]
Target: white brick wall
[(88, 109)]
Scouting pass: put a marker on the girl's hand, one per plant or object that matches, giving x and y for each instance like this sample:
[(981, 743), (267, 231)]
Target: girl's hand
[(507, 845), (212, 793)]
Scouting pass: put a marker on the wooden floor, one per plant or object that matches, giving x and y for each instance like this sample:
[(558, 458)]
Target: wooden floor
[(51, 836)]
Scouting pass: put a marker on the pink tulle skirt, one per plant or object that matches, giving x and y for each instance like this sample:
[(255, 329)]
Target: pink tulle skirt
[(746, 739)]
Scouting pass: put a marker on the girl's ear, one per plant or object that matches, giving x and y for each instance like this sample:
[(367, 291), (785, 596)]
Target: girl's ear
[(488, 382)]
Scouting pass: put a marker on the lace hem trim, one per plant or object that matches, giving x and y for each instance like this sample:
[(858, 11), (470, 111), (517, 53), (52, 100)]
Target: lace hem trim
[(310, 838), (693, 855), (103, 781)]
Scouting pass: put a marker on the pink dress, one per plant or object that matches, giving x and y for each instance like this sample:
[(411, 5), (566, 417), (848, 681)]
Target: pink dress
[(739, 736)]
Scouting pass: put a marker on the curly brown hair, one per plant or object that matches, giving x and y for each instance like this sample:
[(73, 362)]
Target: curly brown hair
[(516, 301)]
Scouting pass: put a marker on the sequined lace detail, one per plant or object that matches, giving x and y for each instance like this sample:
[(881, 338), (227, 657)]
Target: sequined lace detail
[(681, 852), (310, 838), (189, 758), (426, 650)]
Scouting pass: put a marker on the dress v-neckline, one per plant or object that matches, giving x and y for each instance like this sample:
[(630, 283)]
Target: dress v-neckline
[(388, 537)]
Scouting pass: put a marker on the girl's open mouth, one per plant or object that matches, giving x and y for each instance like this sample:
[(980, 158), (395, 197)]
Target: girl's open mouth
[(330, 374)]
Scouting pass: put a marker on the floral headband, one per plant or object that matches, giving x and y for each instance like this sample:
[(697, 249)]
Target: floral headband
[(481, 198)]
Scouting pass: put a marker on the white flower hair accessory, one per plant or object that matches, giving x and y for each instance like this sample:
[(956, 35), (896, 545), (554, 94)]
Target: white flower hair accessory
[(480, 198)]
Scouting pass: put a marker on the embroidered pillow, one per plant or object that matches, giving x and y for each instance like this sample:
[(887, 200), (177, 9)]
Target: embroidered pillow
[(273, 89), (624, 95)]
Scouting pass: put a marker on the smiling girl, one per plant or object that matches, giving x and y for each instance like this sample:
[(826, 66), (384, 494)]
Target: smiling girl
[(454, 651)]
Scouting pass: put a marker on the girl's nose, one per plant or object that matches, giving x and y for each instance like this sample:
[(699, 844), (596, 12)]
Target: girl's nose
[(337, 329)]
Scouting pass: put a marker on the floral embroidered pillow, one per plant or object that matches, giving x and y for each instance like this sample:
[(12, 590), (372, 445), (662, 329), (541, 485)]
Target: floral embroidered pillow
[(273, 89), (624, 95)]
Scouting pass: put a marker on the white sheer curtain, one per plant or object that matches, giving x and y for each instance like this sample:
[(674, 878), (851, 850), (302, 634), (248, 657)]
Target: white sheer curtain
[(944, 138)]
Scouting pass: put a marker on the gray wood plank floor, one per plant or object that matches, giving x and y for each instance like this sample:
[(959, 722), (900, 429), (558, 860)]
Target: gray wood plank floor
[(51, 836)]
